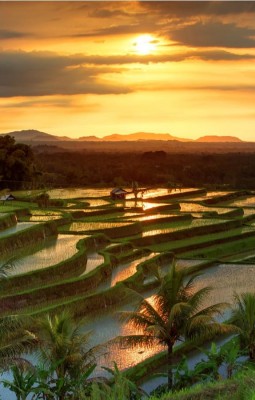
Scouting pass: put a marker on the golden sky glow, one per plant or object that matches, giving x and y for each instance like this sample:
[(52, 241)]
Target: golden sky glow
[(96, 68), (145, 44)]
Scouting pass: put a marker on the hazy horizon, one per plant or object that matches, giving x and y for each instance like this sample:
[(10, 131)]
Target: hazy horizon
[(93, 68), (131, 134)]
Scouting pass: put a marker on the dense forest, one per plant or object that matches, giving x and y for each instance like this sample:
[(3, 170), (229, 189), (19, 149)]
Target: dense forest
[(24, 167), (148, 168)]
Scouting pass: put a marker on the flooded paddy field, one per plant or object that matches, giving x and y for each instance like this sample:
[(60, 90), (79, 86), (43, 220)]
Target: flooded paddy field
[(52, 251), (113, 260), (20, 226)]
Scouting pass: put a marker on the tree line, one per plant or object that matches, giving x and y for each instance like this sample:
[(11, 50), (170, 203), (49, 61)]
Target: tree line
[(23, 167), (148, 168)]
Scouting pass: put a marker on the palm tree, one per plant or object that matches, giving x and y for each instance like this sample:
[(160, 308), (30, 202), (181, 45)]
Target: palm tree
[(64, 347), (243, 316), (174, 314), (15, 338)]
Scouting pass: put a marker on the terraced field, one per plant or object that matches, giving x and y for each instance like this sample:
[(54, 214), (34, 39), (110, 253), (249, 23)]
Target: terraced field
[(90, 249)]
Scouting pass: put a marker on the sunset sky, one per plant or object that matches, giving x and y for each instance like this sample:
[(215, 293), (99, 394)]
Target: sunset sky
[(97, 68)]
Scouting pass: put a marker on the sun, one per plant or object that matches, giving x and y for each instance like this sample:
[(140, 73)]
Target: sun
[(144, 44)]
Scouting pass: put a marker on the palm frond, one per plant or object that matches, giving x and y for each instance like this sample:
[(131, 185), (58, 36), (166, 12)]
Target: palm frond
[(6, 363), (16, 343), (146, 316), (138, 340), (197, 298), (213, 310), (208, 329), (178, 312)]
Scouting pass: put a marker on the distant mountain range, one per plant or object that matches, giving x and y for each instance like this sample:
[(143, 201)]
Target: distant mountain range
[(34, 137), (218, 139)]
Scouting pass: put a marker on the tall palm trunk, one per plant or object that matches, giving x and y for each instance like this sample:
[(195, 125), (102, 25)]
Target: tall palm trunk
[(169, 366), (61, 375)]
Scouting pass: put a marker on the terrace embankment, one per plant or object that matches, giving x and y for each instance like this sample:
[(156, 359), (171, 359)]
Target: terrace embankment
[(82, 213), (235, 213), (228, 245), (34, 234), (186, 233), (120, 293), (114, 232), (179, 194), (69, 268), (64, 291), (7, 220), (227, 197)]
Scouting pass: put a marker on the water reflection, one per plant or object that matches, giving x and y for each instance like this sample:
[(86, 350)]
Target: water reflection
[(182, 225), (20, 226), (189, 207), (54, 251), (225, 279), (93, 261), (105, 329), (124, 271), (72, 193)]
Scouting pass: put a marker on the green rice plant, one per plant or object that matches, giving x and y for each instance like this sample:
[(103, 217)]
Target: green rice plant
[(93, 226)]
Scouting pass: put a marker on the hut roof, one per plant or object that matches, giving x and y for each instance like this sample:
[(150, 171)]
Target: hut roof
[(7, 197), (118, 191)]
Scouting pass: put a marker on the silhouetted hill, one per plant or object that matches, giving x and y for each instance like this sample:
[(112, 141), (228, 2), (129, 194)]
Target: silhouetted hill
[(31, 136), (218, 139), (133, 143), (143, 136)]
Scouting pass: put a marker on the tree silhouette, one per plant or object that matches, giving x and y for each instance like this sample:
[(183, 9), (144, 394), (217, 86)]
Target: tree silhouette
[(174, 313)]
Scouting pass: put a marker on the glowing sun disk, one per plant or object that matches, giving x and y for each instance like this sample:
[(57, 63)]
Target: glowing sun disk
[(144, 44)]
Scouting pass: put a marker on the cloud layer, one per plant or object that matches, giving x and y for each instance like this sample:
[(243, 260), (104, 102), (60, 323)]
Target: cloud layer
[(47, 73), (214, 34), (44, 73)]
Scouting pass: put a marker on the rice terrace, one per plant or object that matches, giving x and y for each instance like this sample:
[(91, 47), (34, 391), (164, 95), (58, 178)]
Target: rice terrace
[(127, 200), (84, 251)]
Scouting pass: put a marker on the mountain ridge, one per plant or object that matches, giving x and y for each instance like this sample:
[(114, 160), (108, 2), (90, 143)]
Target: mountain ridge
[(32, 135)]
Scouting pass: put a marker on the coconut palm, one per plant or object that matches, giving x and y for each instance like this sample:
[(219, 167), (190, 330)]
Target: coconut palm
[(117, 387), (174, 314), (63, 347), (15, 338), (243, 316)]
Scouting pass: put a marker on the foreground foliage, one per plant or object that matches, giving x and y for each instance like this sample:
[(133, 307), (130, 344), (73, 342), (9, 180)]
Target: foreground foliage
[(243, 316), (15, 338), (240, 387), (174, 314)]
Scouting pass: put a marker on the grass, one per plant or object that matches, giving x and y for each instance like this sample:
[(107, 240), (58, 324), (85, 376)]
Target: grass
[(240, 387), (13, 205)]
